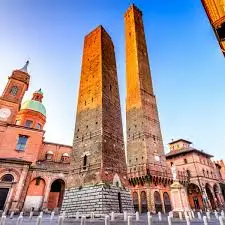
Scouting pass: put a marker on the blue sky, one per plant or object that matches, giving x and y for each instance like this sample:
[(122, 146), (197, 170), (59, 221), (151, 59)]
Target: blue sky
[(186, 63)]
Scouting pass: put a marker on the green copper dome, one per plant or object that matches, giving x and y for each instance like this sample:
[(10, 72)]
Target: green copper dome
[(35, 106)]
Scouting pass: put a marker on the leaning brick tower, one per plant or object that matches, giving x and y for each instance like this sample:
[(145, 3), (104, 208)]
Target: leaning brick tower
[(98, 181), (144, 139), (148, 174)]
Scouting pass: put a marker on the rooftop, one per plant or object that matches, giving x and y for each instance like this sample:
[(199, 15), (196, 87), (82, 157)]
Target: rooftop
[(178, 140), (186, 151)]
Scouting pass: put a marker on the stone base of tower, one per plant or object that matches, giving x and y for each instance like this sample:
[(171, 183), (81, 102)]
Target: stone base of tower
[(100, 199)]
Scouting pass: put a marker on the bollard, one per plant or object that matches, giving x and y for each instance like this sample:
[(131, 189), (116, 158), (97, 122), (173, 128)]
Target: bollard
[(137, 216), (31, 215), (107, 220), (112, 216), (169, 220), (180, 216), (208, 215), (41, 214), (83, 220), (188, 220), (148, 214), (199, 216), (92, 215), (192, 214), (129, 220), (11, 215), (171, 214), (185, 214), (221, 220), (216, 214), (39, 220), (149, 220), (19, 220), (160, 216), (77, 215), (3, 220), (21, 213), (222, 214), (60, 220), (205, 220), (52, 215), (125, 216)]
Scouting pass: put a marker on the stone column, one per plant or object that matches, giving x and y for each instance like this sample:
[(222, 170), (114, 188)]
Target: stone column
[(139, 200), (149, 198), (46, 194), (19, 188), (163, 203)]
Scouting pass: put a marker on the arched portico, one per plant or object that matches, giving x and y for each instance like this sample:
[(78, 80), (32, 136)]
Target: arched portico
[(208, 190), (56, 194), (144, 204), (158, 202), (167, 202), (35, 194), (135, 201), (195, 196)]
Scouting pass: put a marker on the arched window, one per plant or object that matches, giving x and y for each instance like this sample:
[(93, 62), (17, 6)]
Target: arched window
[(188, 173), (7, 178), (203, 171), (85, 162)]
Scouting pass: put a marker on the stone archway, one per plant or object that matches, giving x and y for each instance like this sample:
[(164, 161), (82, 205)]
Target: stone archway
[(195, 197), (56, 194), (167, 203), (35, 195), (6, 183), (135, 201), (144, 203), (210, 195), (158, 202)]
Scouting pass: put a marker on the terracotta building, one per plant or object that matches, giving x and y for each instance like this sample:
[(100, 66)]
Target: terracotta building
[(32, 171), (205, 189), (149, 176)]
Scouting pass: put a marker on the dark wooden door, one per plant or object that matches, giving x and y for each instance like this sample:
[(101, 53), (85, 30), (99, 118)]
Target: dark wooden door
[(3, 196)]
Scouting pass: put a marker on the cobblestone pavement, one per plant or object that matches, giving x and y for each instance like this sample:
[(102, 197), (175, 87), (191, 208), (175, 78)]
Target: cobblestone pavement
[(100, 221)]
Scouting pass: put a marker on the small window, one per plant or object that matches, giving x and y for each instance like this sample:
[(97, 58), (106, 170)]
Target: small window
[(85, 162), (7, 178), (21, 143), (14, 90), (185, 161), (17, 122), (28, 123), (38, 126)]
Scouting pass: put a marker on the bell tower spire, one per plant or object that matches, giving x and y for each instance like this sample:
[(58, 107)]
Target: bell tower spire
[(13, 94)]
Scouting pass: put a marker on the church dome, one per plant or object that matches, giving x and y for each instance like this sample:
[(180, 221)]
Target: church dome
[(35, 106)]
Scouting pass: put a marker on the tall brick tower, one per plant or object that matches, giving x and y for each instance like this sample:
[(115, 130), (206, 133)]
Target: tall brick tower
[(144, 139), (12, 96), (99, 177)]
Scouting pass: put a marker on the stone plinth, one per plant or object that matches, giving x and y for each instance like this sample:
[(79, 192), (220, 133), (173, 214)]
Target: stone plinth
[(100, 199), (179, 198)]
